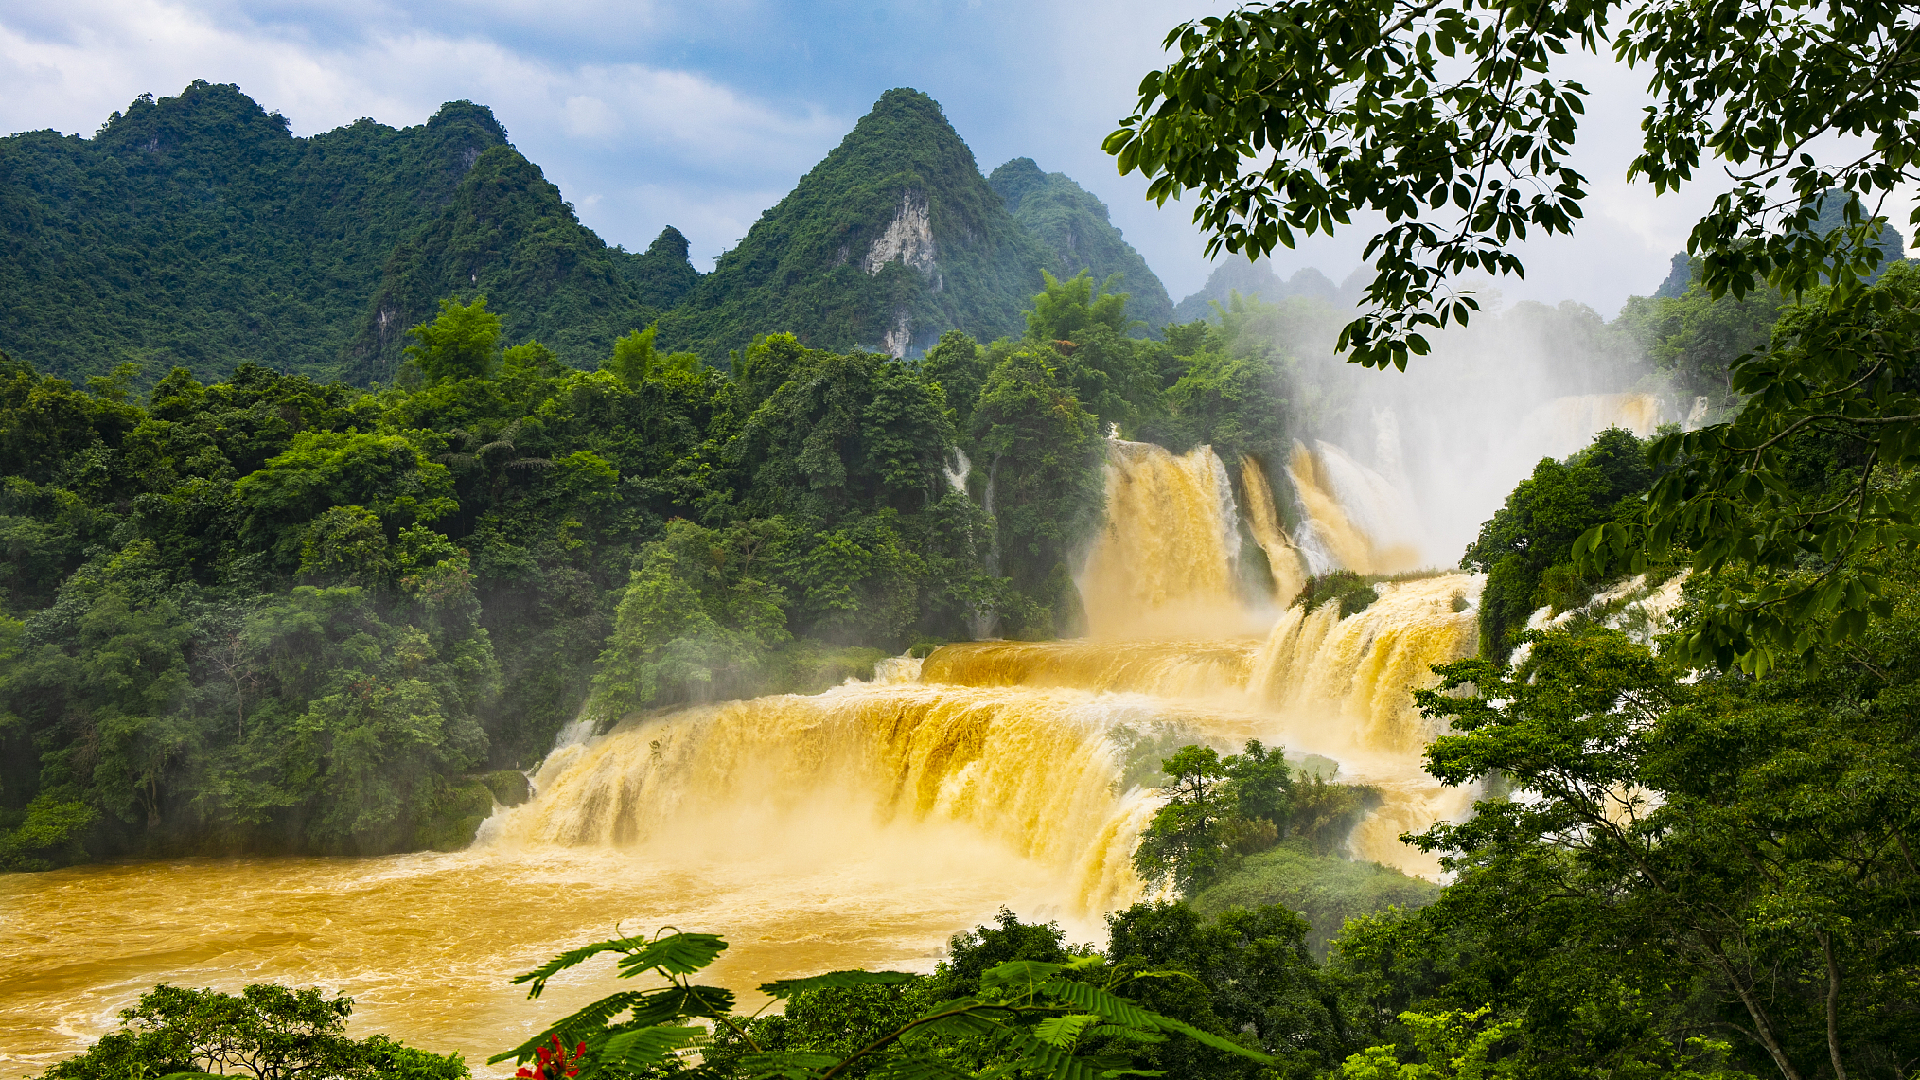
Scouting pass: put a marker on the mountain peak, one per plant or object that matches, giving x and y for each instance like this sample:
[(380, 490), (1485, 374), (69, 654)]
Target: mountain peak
[(891, 240), (670, 244), (466, 114)]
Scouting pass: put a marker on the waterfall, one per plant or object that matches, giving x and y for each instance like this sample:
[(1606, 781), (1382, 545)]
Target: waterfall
[(1035, 771), (1263, 518), (1037, 747), (1355, 519), (956, 474), (1164, 564), (1564, 425)]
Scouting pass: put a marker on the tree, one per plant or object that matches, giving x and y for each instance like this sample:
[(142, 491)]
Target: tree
[(1536, 529), (1447, 118), (459, 344), (959, 365), (1114, 376), (1684, 856), (1219, 808), (1695, 339), (635, 360), (697, 619), (1042, 455), (1184, 843), (266, 1031)]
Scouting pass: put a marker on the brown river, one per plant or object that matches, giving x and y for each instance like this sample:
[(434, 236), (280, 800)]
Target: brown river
[(426, 944)]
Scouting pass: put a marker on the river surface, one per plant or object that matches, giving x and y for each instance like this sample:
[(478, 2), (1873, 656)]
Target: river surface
[(426, 944)]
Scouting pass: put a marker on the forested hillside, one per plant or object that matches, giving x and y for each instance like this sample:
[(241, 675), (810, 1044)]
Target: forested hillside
[(506, 233), (1073, 224), (195, 231)]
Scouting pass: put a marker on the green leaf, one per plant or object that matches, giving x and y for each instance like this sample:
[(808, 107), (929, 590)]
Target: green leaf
[(961, 1016), (675, 954), (646, 1046), (1051, 1061), (1121, 1011), (577, 1027), (649, 1008), (1021, 976), (833, 980), (539, 976), (1064, 1031)]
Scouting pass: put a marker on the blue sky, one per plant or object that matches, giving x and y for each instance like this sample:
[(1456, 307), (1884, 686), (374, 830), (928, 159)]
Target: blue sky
[(648, 113)]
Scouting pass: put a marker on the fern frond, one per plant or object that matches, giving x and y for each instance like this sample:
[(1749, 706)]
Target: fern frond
[(833, 980)]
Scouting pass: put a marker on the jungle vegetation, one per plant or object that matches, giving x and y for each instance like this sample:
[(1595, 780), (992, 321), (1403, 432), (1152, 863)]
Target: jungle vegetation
[(1694, 854)]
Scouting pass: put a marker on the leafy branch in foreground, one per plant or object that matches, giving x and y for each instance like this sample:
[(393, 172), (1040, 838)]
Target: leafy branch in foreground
[(1031, 1016), (1446, 118)]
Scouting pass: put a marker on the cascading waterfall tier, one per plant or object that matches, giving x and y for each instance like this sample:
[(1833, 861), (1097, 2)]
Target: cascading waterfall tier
[(1173, 669), (1165, 562), (1564, 425), (1355, 672), (1263, 519), (1037, 772), (1353, 518), (1342, 687)]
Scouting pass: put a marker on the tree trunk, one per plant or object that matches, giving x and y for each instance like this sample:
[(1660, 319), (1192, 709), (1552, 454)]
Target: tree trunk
[(1833, 1005)]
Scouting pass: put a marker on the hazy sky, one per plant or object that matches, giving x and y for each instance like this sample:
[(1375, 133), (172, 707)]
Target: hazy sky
[(648, 113)]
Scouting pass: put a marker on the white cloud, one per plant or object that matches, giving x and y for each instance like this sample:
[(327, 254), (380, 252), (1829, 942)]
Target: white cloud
[(589, 117)]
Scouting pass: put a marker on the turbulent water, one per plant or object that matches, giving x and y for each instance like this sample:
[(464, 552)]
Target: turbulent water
[(858, 826)]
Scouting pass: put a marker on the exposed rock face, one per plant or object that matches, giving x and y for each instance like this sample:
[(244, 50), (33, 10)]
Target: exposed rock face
[(899, 336), (908, 238)]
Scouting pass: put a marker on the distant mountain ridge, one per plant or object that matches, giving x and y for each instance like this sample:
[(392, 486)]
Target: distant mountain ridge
[(1251, 279), (196, 231)]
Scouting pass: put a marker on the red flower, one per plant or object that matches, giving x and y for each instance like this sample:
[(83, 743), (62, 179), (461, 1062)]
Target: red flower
[(555, 1062)]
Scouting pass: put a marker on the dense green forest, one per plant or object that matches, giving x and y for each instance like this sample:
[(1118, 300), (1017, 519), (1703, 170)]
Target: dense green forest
[(194, 231)]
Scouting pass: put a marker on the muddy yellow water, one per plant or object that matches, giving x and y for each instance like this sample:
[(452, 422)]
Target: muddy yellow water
[(426, 944)]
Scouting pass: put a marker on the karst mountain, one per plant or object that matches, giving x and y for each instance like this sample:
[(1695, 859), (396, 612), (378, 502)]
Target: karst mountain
[(197, 231)]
